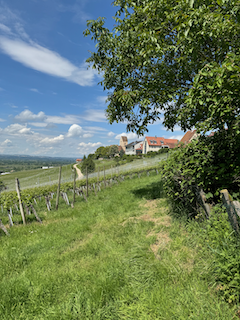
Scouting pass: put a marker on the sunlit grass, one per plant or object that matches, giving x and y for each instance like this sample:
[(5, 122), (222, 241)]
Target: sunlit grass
[(118, 256)]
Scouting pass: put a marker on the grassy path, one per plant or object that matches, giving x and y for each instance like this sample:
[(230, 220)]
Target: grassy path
[(119, 256)]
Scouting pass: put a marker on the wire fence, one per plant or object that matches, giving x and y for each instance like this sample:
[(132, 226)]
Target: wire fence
[(47, 177)]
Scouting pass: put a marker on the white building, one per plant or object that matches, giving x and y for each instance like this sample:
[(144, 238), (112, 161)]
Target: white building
[(157, 143), (132, 147)]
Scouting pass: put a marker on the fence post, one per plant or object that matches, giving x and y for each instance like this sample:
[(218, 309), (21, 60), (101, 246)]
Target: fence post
[(58, 190), (3, 228), (230, 209), (20, 201)]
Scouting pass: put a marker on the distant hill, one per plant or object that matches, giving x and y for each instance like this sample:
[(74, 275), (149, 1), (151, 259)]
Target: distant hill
[(25, 162)]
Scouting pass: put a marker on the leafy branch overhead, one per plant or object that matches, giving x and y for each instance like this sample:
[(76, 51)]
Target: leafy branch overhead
[(180, 58)]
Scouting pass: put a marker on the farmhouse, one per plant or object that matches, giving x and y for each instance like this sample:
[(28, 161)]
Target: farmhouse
[(157, 143), (189, 136), (131, 148)]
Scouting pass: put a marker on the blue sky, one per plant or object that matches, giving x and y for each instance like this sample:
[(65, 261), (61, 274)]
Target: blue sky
[(51, 104)]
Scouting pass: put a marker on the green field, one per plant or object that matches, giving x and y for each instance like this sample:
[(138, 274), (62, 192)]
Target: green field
[(37, 177), (121, 255), (41, 177)]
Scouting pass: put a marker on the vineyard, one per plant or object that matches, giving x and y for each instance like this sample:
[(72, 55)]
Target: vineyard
[(14, 208)]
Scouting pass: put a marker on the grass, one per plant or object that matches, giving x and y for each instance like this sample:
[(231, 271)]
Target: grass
[(118, 256)]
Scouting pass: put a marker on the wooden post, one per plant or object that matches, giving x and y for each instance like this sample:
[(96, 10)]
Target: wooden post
[(3, 228), (58, 190), (205, 205), (87, 180), (230, 209), (104, 177), (20, 202), (74, 186), (35, 213), (10, 219)]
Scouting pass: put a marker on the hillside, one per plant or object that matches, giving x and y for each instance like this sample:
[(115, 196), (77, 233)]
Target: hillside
[(121, 255)]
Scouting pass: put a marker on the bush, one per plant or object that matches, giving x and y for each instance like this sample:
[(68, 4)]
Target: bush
[(225, 254), (210, 163)]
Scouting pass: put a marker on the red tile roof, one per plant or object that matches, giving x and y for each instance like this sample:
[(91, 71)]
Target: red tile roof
[(160, 141), (124, 138), (187, 137)]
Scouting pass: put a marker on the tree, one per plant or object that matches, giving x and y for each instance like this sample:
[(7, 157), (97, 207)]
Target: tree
[(99, 152), (87, 164), (113, 150), (121, 153), (162, 55)]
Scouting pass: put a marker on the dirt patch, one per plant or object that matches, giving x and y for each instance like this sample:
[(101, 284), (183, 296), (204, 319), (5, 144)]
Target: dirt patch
[(153, 207), (160, 243)]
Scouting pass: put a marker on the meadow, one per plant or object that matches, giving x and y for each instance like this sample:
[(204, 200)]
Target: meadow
[(121, 255)]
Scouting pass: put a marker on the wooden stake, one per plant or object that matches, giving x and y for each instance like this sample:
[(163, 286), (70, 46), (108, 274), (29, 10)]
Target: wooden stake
[(3, 228), (230, 210), (35, 213), (10, 220), (20, 202), (59, 184)]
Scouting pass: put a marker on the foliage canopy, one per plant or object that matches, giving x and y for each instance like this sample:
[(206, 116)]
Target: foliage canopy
[(180, 58)]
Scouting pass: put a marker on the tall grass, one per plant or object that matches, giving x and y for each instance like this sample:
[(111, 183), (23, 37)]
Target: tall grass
[(118, 256)]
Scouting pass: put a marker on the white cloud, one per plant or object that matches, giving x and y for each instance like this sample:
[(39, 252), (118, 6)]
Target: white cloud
[(90, 147), (35, 90), (44, 60), (28, 115), (38, 124), (95, 129), (94, 115), (129, 135), (90, 144), (2, 120), (87, 135), (102, 99), (178, 137), (16, 129), (5, 28), (7, 143), (111, 134), (67, 119), (75, 131), (54, 140)]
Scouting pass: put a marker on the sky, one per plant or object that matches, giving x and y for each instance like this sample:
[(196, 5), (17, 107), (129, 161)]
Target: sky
[(50, 103)]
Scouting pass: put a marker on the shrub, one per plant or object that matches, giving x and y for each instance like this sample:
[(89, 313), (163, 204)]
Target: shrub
[(225, 254), (210, 163)]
